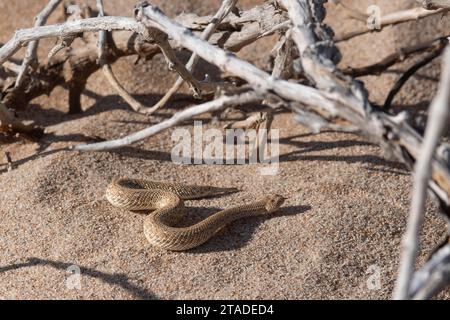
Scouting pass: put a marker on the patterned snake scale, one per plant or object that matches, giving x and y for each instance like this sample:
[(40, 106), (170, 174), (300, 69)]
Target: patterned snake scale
[(166, 201)]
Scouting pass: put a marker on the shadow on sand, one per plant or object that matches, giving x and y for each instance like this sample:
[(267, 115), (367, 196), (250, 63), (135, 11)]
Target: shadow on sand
[(117, 279)]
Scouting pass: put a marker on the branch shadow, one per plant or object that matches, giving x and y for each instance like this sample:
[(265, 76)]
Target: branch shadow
[(419, 75), (371, 159), (35, 156), (117, 279), (142, 154), (315, 146), (45, 117)]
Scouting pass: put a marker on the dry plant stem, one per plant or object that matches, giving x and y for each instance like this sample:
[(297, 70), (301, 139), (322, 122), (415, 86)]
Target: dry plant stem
[(215, 105), (392, 134), (316, 59), (227, 62), (107, 69), (433, 277), (24, 36), (317, 66), (226, 7), (74, 13), (163, 43), (392, 19), (9, 162), (72, 71), (283, 61), (31, 54), (101, 35), (437, 123), (11, 66)]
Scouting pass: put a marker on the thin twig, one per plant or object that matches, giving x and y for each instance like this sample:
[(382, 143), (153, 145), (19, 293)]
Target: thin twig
[(437, 122), (107, 69), (24, 36), (393, 134), (31, 54), (392, 19), (226, 7), (215, 105), (101, 35), (433, 277)]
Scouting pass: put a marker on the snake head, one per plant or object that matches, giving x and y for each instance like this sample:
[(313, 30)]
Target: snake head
[(274, 202)]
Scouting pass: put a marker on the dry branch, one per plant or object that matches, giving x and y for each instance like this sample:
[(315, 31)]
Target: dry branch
[(437, 123), (393, 19), (101, 35), (23, 36), (73, 70), (211, 106), (226, 7), (31, 55), (334, 99), (433, 277), (122, 92), (393, 135)]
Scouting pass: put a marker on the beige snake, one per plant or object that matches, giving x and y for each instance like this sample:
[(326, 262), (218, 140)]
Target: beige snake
[(166, 202)]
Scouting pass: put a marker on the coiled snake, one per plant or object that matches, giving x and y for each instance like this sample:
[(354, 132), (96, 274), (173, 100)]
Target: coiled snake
[(166, 202)]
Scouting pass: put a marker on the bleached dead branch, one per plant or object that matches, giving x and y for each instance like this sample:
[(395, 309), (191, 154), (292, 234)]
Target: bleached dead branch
[(31, 54), (437, 123), (211, 106), (433, 277), (226, 7), (24, 36), (397, 137), (234, 33), (332, 99), (107, 69), (101, 35), (393, 19)]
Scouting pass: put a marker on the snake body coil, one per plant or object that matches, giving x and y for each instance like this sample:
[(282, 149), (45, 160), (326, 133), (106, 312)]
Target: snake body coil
[(166, 202)]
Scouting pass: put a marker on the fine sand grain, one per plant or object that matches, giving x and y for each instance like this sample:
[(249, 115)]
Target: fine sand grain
[(341, 225)]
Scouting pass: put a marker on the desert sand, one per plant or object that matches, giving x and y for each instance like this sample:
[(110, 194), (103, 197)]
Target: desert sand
[(341, 225)]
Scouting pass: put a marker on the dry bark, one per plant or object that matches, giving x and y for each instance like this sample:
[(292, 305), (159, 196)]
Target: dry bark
[(331, 98)]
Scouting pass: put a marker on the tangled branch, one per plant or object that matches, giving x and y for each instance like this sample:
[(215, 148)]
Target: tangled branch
[(325, 96)]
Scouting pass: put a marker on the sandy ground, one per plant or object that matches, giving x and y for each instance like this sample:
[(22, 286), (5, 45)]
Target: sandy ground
[(340, 227)]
